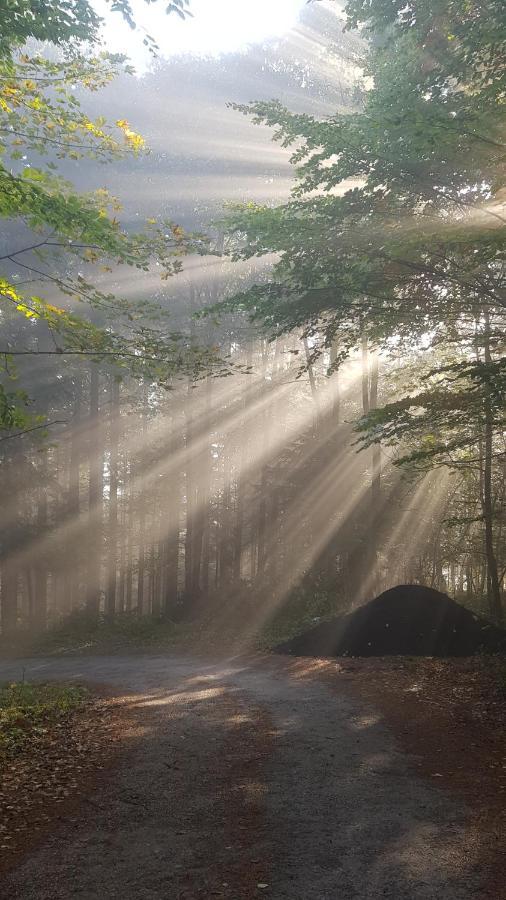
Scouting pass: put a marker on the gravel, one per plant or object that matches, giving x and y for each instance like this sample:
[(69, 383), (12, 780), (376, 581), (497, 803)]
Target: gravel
[(243, 780)]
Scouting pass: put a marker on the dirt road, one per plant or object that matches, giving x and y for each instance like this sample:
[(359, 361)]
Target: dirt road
[(244, 780)]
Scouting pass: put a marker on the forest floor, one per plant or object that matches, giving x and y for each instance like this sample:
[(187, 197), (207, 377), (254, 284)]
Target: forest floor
[(294, 779)]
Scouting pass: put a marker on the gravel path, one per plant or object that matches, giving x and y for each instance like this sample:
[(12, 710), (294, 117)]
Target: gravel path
[(245, 781)]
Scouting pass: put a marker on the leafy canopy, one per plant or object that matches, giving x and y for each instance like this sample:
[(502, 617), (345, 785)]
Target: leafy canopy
[(56, 232), (396, 226)]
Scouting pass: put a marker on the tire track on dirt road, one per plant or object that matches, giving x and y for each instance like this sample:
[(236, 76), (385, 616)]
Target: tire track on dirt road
[(244, 781)]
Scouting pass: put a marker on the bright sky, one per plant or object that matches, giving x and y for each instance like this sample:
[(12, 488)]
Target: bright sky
[(217, 26)]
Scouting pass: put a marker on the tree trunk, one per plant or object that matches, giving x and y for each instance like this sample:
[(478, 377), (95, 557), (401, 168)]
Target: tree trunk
[(9, 616), (142, 499), (312, 383), (171, 542), (365, 376), (190, 504), (129, 540), (336, 388), (112, 562), (241, 481), (225, 545), (40, 572), (94, 541), (493, 585), (74, 563), (376, 449)]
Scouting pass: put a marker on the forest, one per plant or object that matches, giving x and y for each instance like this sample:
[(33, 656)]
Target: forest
[(252, 354), (252, 450)]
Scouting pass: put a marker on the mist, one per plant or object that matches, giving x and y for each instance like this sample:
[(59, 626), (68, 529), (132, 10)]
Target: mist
[(218, 480)]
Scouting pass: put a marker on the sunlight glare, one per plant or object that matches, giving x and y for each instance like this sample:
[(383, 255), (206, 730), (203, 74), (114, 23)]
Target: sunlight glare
[(223, 26)]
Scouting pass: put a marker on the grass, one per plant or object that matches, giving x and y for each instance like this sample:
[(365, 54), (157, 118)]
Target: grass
[(80, 632), (83, 633), (27, 710), (219, 625)]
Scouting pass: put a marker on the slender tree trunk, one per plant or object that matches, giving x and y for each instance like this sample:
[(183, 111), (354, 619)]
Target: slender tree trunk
[(171, 541), (238, 530), (157, 566), (28, 578), (129, 582), (73, 565), (206, 541), (190, 503), (365, 375), (261, 525), (336, 389), (206, 479), (112, 562), (469, 582), (94, 498), (151, 579), (494, 589), (142, 500), (198, 522), (129, 539), (225, 547), (40, 573), (9, 618), (59, 593), (141, 563), (312, 384), (367, 579), (122, 567), (264, 479), (241, 483), (376, 449), (331, 551)]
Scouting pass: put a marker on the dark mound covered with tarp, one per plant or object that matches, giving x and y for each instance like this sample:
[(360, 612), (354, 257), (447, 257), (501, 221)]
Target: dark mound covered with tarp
[(408, 620)]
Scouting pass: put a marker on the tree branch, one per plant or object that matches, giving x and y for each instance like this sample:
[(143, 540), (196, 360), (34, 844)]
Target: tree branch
[(9, 437)]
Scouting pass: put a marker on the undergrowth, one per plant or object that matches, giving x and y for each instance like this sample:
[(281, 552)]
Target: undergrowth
[(27, 710), (83, 633), (304, 608), (221, 623)]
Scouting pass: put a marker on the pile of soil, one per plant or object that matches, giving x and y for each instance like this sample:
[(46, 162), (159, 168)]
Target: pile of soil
[(407, 620)]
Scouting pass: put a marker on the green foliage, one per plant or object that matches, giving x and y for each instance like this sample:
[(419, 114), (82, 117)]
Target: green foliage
[(396, 233), (12, 412), (463, 40), (303, 609), (27, 710), (438, 425), (83, 633), (41, 118), (56, 21), (396, 228), (65, 23)]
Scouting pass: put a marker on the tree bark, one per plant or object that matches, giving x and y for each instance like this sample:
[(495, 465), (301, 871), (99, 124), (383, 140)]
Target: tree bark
[(9, 617), (376, 448), (94, 498), (40, 570), (75, 562), (493, 584), (112, 562)]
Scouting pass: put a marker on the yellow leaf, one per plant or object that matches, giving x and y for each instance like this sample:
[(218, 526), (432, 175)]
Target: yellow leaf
[(29, 313)]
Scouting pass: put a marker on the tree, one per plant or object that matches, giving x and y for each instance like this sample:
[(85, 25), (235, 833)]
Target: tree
[(56, 234), (395, 233)]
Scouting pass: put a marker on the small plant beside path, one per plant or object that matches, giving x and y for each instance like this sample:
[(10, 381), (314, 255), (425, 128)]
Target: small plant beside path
[(28, 710)]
